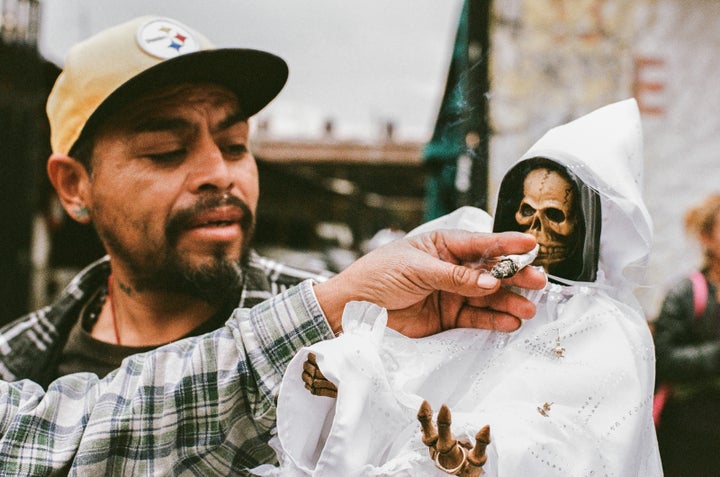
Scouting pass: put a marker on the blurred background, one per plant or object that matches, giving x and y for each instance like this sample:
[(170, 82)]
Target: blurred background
[(394, 113)]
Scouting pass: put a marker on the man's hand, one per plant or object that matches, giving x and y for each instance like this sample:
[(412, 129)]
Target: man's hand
[(427, 286)]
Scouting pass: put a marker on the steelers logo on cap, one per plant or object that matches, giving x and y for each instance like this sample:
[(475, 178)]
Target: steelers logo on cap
[(164, 38)]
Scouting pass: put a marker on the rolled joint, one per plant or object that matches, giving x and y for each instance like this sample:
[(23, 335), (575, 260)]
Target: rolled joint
[(508, 265)]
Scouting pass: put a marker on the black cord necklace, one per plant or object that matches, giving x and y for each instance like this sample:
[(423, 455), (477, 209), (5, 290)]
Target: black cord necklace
[(94, 308)]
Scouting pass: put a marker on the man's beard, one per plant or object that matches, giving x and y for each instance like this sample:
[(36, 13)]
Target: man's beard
[(215, 281)]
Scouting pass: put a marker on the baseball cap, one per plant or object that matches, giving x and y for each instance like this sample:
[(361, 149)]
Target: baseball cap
[(110, 69)]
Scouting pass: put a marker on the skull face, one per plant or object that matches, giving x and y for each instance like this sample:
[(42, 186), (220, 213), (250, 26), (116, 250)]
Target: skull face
[(548, 211)]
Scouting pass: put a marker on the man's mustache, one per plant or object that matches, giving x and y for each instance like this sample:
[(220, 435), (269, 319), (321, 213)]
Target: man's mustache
[(182, 219)]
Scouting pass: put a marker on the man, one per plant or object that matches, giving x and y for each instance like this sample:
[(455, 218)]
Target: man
[(152, 147), (171, 194)]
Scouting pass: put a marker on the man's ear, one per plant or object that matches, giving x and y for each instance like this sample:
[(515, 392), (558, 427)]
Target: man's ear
[(72, 183)]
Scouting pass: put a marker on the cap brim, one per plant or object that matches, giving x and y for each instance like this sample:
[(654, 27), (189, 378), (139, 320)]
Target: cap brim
[(255, 76)]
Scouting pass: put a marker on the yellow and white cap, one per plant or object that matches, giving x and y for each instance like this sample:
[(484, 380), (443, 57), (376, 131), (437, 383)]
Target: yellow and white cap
[(111, 68)]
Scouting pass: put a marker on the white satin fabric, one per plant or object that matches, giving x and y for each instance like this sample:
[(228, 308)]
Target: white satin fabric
[(598, 394)]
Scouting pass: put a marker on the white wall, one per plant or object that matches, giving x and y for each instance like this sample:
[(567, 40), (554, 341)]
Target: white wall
[(554, 61)]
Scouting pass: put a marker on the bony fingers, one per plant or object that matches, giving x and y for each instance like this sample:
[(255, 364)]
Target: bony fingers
[(451, 456), (427, 428), (307, 378), (315, 381), (320, 386), (478, 456), (330, 392), (309, 368), (444, 422)]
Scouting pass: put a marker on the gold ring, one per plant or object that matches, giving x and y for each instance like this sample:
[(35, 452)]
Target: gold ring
[(457, 469)]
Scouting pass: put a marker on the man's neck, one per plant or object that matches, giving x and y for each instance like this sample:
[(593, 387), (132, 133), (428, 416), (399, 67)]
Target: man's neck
[(148, 318)]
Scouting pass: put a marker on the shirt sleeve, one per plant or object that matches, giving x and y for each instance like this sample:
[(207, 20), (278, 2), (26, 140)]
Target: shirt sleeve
[(203, 405)]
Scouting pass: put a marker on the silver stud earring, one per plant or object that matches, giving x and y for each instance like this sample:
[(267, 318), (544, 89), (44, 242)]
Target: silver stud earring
[(82, 212)]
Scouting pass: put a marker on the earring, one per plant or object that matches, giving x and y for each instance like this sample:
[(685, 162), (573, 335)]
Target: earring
[(82, 212)]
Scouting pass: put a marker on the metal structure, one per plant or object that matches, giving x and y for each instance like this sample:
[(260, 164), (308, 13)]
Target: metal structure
[(457, 155)]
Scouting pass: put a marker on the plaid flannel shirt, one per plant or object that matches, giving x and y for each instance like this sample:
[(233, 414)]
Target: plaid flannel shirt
[(200, 406), (31, 346)]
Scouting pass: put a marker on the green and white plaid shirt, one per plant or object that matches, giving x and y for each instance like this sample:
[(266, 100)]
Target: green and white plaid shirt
[(200, 406)]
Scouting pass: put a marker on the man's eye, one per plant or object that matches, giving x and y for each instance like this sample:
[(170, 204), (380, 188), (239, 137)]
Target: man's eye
[(235, 150), (170, 156)]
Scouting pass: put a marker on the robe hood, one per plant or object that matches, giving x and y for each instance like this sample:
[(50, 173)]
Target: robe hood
[(604, 150)]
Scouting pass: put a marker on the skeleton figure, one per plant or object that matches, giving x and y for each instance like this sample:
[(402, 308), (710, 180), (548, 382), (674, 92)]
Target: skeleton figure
[(540, 197), (547, 211), (569, 393), (543, 198)]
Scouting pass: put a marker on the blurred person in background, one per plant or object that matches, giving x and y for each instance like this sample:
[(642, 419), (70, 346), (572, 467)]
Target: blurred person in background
[(687, 340)]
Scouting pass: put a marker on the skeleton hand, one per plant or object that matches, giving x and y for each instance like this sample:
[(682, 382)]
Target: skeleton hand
[(315, 381), (451, 455)]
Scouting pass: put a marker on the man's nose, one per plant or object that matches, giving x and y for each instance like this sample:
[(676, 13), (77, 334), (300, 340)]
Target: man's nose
[(210, 170)]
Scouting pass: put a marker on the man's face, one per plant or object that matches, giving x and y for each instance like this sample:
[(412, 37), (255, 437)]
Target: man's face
[(174, 189)]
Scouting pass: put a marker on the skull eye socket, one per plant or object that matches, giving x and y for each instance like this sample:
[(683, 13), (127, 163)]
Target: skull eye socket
[(527, 210), (555, 215)]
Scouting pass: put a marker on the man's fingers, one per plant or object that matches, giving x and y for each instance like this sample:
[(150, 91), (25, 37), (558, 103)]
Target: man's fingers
[(529, 277), (488, 319), (472, 246), (504, 301), (501, 311), (461, 251), (469, 280)]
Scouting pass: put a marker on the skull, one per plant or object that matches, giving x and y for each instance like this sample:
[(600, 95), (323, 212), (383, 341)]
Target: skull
[(548, 211)]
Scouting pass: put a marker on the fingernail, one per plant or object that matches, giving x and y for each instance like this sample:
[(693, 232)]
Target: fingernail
[(485, 280)]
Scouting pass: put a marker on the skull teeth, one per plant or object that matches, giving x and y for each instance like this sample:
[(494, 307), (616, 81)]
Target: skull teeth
[(552, 251)]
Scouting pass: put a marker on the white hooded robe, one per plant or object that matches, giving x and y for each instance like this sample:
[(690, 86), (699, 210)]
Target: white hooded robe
[(598, 420)]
